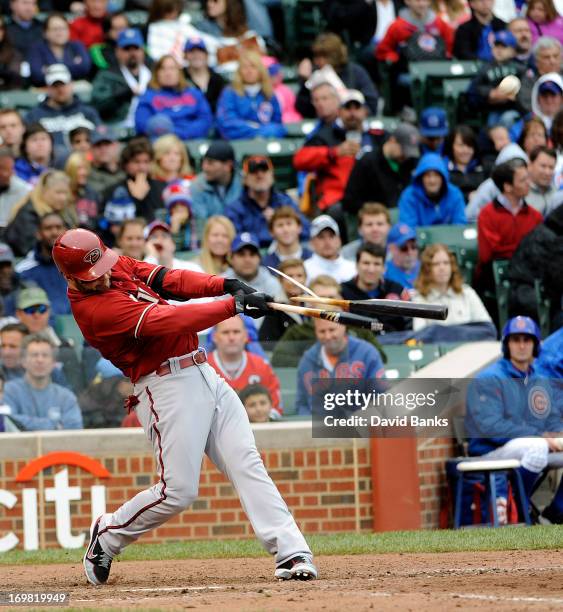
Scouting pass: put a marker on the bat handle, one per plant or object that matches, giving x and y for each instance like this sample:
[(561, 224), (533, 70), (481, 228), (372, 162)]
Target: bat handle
[(346, 318)]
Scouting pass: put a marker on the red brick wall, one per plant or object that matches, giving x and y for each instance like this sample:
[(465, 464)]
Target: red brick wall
[(432, 455)]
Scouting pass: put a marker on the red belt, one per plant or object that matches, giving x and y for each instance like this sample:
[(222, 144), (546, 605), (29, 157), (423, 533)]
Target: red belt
[(196, 358)]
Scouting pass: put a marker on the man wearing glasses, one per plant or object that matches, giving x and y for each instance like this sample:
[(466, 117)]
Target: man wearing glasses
[(403, 264)]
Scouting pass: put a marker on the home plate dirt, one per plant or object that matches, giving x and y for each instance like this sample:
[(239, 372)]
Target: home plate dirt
[(529, 580)]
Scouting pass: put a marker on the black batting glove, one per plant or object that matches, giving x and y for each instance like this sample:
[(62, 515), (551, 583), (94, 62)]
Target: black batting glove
[(253, 304), (234, 287)]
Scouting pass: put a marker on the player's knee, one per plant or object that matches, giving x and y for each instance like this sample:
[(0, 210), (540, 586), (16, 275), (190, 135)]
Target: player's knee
[(180, 499), (536, 456)]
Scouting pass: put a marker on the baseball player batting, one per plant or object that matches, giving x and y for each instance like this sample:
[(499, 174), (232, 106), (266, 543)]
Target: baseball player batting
[(185, 408)]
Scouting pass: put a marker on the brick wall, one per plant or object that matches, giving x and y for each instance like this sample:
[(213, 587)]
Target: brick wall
[(432, 455)]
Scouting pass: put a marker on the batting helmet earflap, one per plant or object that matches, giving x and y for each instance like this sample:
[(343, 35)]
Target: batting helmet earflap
[(81, 254), (521, 325)]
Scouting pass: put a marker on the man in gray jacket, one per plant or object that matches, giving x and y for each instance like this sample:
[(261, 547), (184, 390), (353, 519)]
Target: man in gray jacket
[(12, 188)]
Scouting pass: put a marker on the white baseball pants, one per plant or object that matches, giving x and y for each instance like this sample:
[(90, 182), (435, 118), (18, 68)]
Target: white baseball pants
[(184, 414), (532, 452)]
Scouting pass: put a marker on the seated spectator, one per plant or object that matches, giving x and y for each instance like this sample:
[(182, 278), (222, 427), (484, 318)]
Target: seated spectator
[(169, 96), (329, 50), (464, 166), (431, 199), (331, 155), (51, 194), (533, 135), (403, 265), (89, 28), (24, 29), (503, 223), (248, 108), (10, 61), (238, 366), (257, 402), (274, 327), (36, 153), (285, 95), (117, 89), (259, 200), (299, 337), (433, 130), (374, 225), (130, 238), (138, 195), (218, 184), (547, 98), (62, 110), (496, 138), (485, 94), (79, 140), (539, 256), (326, 105), (245, 266), (55, 47), (199, 74), (36, 402), (160, 248), (171, 163), (167, 29), (103, 54), (544, 20), (381, 174), (11, 339), (218, 235), (105, 172), (501, 420), (33, 309), (87, 201), (369, 283), (543, 195), (327, 256), (38, 267), (225, 18), (473, 38), (101, 403), (12, 188), (179, 217), (334, 355), (12, 129), (356, 20), (10, 281), (258, 16), (546, 59), (520, 28), (285, 226), (440, 282)]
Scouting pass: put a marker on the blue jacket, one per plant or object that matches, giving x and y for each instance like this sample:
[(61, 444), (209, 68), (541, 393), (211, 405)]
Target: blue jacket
[(504, 403), (417, 209), (208, 199), (550, 361), (189, 111), (248, 117), (398, 275), (45, 274), (27, 171), (247, 216), (75, 58), (359, 360)]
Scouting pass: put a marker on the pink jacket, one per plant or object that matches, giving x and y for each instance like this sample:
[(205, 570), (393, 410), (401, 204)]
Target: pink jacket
[(553, 28), (286, 98)]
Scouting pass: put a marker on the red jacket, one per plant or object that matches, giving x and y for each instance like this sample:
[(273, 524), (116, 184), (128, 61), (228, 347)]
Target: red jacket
[(87, 30), (500, 232), (401, 30)]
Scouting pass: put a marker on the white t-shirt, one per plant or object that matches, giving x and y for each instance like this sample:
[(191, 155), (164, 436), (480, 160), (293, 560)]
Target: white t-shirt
[(340, 269)]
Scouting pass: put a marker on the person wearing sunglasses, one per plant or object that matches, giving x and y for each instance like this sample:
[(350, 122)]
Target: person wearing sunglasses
[(402, 264), (253, 210)]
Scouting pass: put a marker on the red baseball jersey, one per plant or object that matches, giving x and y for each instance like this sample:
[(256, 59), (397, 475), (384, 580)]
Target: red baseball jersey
[(253, 371), (137, 330)]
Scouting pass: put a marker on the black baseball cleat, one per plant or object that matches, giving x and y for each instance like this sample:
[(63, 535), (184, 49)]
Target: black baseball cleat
[(299, 567), (97, 563), (550, 516)]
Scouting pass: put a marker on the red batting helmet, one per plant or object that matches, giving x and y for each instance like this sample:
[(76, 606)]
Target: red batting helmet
[(81, 254)]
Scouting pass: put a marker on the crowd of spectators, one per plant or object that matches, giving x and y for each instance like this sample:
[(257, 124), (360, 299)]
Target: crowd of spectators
[(104, 145)]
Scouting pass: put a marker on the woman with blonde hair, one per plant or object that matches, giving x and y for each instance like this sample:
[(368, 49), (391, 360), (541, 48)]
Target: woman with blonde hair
[(171, 162), (51, 194), (87, 201), (218, 235), (170, 105), (441, 282), (248, 108)]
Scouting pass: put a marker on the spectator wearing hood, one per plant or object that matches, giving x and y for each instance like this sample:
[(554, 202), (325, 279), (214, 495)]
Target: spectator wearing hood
[(168, 95), (547, 98), (431, 199)]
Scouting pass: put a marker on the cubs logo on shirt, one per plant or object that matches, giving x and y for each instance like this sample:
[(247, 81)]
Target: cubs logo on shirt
[(539, 402)]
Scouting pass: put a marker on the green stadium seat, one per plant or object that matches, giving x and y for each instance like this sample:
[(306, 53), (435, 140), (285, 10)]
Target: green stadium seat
[(304, 20), (20, 99), (462, 237), (400, 370), (454, 92), (394, 215), (186, 255), (502, 289), (66, 327), (417, 356), (137, 19), (288, 385), (449, 346), (544, 308), (300, 129)]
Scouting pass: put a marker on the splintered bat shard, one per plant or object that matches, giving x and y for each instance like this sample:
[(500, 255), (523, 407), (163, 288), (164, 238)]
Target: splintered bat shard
[(373, 308), (345, 318)]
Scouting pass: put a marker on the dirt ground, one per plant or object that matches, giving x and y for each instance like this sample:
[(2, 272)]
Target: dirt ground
[(529, 580)]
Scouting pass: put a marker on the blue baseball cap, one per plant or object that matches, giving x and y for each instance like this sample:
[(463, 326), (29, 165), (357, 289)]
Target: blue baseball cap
[(506, 38), (401, 233), (195, 43), (550, 87), (245, 239), (130, 37), (159, 125), (103, 133), (433, 122)]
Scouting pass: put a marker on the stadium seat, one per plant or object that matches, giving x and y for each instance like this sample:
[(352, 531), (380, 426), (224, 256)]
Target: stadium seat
[(398, 370), (186, 255), (454, 99), (66, 327), (544, 308), (502, 289), (20, 99), (304, 20), (460, 237), (137, 19), (417, 356), (288, 385)]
